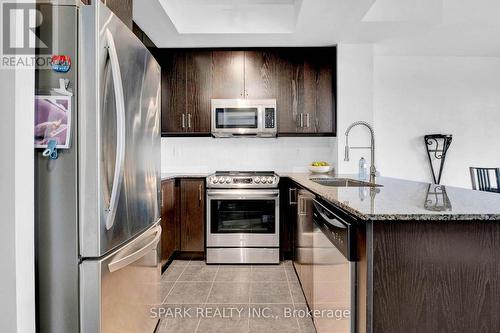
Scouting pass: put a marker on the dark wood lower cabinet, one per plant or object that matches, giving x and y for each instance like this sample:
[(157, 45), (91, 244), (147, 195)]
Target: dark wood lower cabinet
[(170, 241), (192, 215), (434, 276), (183, 218)]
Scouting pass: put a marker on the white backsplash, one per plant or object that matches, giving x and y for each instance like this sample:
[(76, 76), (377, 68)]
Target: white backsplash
[(205, 155)]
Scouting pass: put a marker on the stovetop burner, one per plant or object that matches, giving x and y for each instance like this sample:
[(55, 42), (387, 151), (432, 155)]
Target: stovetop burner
[(243, 179)]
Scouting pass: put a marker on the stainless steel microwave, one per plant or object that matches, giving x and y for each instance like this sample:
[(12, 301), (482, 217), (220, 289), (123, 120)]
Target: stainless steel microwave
[(244, 118)]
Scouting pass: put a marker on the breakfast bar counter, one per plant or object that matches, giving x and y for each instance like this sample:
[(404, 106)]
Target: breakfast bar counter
[(399, 200), (428, 257)]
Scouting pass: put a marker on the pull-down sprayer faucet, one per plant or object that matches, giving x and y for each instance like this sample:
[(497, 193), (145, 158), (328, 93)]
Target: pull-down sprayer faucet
[(373, 170)]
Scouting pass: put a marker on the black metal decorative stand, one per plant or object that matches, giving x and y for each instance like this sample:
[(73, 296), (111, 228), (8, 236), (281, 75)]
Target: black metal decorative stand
[(437, 145), (437, 200)]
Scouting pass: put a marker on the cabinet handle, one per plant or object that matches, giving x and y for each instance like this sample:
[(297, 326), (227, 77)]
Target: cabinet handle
[(301, 125), (308, 120), (161, 198), (292, 196), (183, 121), (189, 120), (200, 192), (295, 102)]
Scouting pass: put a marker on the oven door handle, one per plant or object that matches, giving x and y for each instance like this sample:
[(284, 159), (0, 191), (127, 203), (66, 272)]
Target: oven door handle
[(243, 194)]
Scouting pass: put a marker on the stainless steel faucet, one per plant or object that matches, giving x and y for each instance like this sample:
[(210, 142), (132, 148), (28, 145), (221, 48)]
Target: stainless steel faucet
[(373, 170)]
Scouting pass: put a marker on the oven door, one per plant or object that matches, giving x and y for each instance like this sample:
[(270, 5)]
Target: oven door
[(243, 218)]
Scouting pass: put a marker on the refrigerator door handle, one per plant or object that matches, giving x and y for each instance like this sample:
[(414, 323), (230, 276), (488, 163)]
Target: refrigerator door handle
[(120, 131), (136, 255)]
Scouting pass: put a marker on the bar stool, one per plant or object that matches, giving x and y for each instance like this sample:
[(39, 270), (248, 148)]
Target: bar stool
[(481, 179)]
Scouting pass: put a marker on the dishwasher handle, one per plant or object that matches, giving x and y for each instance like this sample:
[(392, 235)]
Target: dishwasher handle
[(340, 232), (329, 217)]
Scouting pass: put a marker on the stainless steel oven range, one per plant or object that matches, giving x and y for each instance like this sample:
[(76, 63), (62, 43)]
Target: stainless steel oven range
[(243, 218)]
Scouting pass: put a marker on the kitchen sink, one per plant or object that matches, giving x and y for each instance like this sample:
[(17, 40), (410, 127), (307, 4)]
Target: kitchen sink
[(343, 182)]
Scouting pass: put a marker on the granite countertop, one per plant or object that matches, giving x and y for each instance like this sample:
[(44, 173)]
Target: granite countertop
[(171, 175), (406, 200)]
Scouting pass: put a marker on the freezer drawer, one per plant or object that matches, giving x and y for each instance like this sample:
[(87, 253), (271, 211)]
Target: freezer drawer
[(118, 291)]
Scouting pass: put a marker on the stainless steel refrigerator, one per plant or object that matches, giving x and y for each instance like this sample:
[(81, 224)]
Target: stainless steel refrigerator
[(97, 204)]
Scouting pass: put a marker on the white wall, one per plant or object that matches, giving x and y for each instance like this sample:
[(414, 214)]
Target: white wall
[(192, 155), (17, 292), (418, 95), (355, 101), (17, 288)]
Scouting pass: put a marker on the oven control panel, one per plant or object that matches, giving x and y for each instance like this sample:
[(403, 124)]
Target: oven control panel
[(224, 181)]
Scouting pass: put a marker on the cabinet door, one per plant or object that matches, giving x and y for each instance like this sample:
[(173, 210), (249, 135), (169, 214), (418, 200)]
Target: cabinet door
[(326, 90), (318, 105), (173, 64), (198, 90), (228, 74), (307, 91), (289, 92), (169, 220), (192, 215), (261, 79)]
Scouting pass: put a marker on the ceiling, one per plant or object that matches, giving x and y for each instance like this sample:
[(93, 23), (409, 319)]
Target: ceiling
[(426, 27)]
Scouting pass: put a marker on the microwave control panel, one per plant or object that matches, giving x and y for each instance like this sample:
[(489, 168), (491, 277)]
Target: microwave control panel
[(270, 119)]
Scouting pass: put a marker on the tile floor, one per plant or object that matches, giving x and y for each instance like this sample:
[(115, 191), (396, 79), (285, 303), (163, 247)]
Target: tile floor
[(240, 298)]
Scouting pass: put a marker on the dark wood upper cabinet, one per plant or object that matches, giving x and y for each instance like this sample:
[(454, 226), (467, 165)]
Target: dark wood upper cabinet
[(261, 74), (308, 105), (173, 91), (228, 74), (198, 90), (192, 215), (318, 91), (289, 90), (186, 91), (303, 81)]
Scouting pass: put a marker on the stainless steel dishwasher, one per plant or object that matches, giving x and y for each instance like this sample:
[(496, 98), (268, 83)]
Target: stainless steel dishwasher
[(303, 243), (334, 271)]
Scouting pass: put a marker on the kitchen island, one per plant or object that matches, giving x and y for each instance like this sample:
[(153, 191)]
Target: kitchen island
[(428, 256)]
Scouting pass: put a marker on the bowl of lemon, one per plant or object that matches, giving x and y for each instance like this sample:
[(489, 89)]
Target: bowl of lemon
[(320, 167)]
